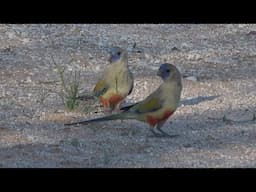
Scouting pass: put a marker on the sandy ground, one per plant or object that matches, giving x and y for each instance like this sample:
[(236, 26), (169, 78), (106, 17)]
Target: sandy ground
[(215, 123)]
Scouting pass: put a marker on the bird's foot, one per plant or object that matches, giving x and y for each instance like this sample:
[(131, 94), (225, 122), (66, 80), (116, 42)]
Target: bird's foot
[(108, 111), (162, 133)]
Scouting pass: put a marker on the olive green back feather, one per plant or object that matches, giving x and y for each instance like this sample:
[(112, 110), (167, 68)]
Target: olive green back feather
[(100, 88), (149, 105)]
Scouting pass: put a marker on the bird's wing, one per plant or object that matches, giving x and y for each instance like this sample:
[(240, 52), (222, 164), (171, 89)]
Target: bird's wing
[(132, 82), (100, 88), (152, 103), (130, 91)]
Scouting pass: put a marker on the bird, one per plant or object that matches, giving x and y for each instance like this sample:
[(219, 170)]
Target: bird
[(117, 81), (157, 107)]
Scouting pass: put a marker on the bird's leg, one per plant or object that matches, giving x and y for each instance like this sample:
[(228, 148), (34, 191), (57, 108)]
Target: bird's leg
[(164, 134), (117, 110), (117, 107), (151, 128), (108, 111)]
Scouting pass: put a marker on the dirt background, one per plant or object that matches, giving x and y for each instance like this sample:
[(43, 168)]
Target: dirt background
[(215, 123)]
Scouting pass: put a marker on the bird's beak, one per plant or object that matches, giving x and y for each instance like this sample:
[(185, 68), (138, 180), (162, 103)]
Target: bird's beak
[(109, 50), (110, 59), (159, 73)]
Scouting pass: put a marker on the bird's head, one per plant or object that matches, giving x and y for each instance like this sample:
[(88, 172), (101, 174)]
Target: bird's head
[(168, 71), (117, 53)]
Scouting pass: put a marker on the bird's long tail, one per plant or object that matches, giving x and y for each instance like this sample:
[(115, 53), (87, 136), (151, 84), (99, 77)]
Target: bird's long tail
[(106, 118)]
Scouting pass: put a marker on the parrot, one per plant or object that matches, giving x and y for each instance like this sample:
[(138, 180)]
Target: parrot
[(157, 107), (117, 81)]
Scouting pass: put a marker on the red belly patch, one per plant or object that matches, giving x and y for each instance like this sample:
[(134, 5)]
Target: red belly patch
[(112, 101), (155, 120)]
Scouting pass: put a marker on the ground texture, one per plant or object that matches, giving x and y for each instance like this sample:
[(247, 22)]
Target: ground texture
[(215, 124)]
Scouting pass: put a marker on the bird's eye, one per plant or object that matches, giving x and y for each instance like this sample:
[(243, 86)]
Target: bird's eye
[(119, 53), (168, 70)]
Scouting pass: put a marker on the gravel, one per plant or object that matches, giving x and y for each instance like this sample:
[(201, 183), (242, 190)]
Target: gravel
[(215, 122)]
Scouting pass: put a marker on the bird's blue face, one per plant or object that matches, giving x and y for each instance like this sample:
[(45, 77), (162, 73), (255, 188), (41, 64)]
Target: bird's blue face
[(164, 71), (115, 54)]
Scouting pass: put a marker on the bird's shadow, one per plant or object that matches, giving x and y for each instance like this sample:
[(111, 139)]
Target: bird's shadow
[(197, 100)]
